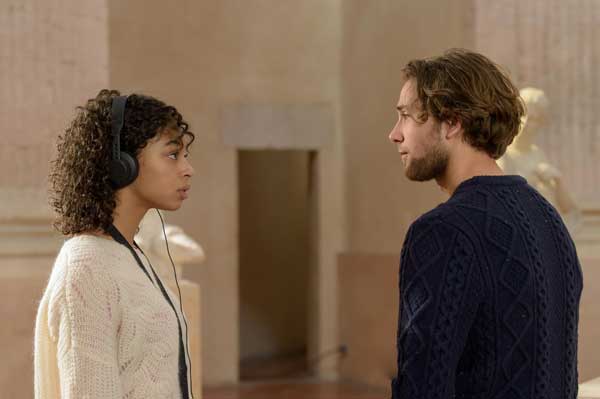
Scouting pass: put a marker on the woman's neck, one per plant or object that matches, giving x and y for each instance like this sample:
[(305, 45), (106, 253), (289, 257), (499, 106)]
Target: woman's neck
[(127, 215)]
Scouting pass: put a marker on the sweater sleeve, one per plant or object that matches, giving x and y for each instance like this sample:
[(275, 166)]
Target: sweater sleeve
[(83, 321), (439, 280)]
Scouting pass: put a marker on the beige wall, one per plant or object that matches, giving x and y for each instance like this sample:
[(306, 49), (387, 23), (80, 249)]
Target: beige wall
[(54, 56), (207, 56), (378, 39), (202, 57)]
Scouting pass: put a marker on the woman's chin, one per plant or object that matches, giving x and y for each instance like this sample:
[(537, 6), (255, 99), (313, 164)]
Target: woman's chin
[(173, 206)]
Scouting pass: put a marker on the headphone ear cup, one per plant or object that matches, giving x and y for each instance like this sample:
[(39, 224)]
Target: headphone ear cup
[(123, 171)]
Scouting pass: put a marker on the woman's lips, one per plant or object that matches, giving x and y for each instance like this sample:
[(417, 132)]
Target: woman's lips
[(183, 193)]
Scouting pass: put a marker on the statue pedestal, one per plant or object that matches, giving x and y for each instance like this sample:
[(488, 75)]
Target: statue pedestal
[(182, 250), (590, 389), (190, 298), (589, 320), (587, 239)]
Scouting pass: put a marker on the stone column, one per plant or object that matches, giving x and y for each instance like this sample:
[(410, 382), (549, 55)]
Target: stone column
[(54, 56)]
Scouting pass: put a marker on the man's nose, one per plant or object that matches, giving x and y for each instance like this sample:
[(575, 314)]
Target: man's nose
[(396, 135)]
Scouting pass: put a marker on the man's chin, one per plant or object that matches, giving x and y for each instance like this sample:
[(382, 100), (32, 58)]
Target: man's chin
[(422, 172), (420, 177)]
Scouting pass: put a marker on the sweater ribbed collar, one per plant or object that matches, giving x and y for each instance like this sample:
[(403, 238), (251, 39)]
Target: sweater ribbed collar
[(505, 180)]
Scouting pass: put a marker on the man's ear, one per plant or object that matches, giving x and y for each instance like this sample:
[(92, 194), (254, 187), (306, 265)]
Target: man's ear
[(453, 128)]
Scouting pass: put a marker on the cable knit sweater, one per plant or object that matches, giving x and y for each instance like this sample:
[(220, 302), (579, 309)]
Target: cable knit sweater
[(489, 290), (103, 330)]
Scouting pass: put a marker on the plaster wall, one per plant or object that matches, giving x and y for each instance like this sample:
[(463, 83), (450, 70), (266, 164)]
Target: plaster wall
[(378, 39), (206, 57)]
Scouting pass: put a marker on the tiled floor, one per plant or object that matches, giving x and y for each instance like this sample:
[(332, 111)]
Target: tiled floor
[(295, 390)]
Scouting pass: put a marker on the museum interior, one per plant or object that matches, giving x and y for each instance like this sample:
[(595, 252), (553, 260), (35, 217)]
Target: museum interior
[(289, 244)]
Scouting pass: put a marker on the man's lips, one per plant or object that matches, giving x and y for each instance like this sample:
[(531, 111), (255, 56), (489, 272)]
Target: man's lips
[(403, 155)]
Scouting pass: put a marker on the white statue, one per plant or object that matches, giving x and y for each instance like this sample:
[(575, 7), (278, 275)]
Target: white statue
[(183, 249), (525, 158)]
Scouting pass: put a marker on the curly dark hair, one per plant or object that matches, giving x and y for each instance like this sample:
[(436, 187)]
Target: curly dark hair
[(467, 86), (80, 191)]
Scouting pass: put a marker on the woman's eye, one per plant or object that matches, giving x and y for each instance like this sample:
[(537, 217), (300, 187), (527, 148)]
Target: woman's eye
[(173, 155)]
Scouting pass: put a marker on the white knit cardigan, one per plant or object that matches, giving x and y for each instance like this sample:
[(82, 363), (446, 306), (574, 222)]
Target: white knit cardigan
[(103, 330)]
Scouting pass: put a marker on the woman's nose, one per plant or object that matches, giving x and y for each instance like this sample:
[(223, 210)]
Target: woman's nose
[(188, 168)]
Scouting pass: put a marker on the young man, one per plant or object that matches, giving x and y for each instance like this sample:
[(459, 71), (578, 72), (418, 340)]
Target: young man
[(489, 280)]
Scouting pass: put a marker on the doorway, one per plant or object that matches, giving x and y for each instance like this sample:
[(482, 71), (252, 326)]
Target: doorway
[(276, 215)]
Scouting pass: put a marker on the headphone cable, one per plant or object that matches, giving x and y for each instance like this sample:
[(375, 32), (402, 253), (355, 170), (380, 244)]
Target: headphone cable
[(180, 301)]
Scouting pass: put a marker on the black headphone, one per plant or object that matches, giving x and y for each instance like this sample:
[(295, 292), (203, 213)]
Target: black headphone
[(123, 167)]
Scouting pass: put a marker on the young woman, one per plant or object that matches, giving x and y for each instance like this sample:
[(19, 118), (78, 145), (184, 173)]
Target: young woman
[(106, 326)]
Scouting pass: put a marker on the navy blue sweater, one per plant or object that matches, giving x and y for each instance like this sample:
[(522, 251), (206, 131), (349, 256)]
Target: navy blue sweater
[(489, 298)]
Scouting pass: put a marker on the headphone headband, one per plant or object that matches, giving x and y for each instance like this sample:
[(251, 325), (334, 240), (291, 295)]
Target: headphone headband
[(123, 166), (118, 119)]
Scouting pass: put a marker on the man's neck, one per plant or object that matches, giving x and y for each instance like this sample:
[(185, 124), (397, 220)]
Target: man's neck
[(465, 166)]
